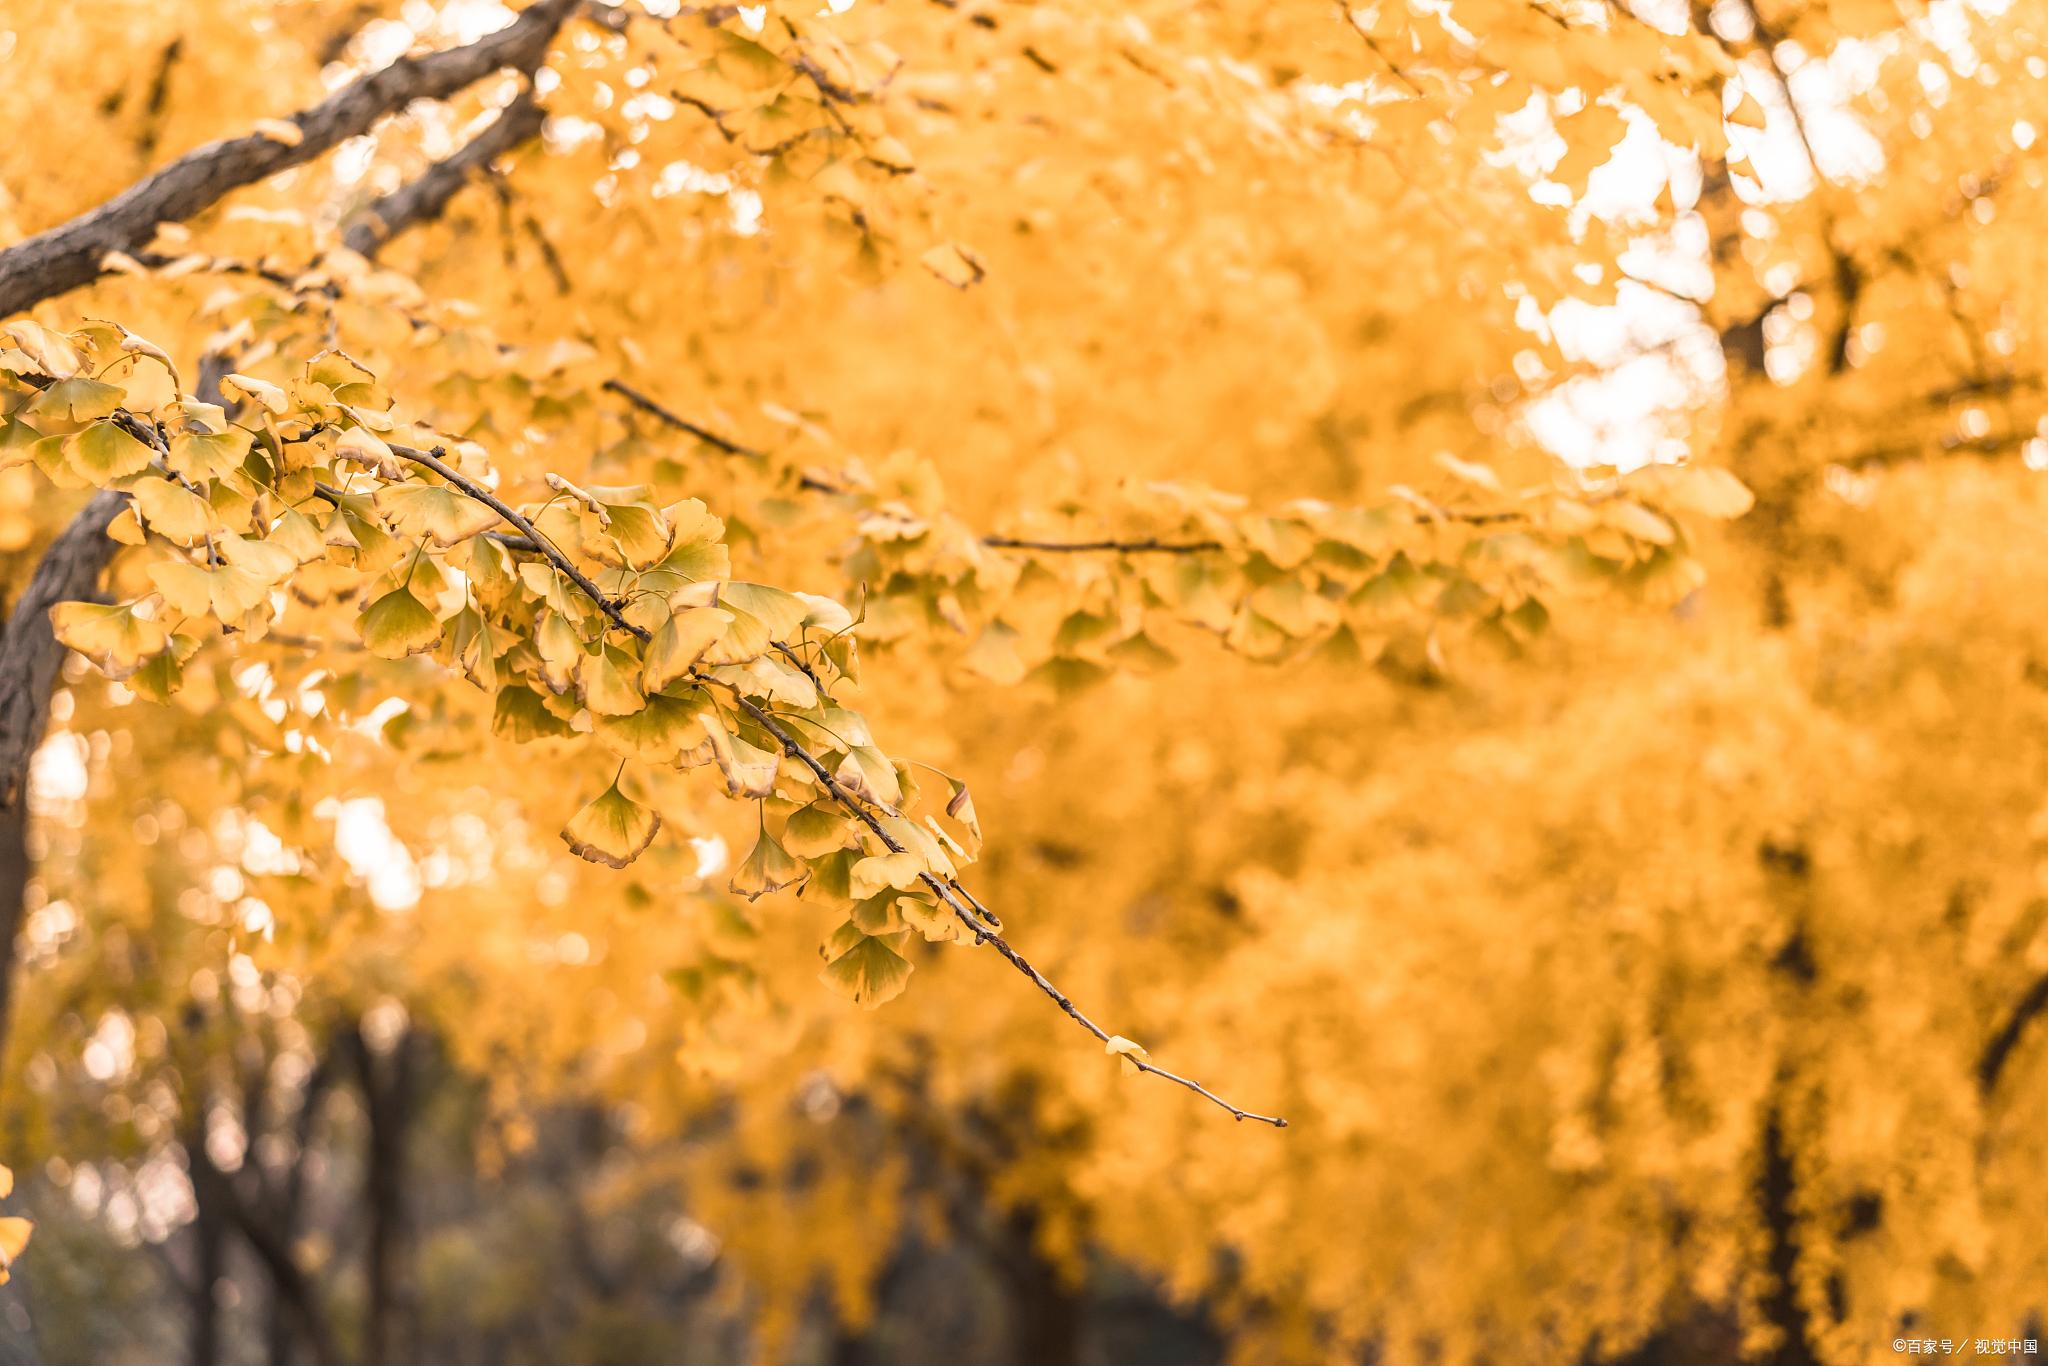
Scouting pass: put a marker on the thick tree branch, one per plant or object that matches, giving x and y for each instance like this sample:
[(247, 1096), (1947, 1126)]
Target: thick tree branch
[(29, 652), (424, 198), (74, 253), (1998, 1052)]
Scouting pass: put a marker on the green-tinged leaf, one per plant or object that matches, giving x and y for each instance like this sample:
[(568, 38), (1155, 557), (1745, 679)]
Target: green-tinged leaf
[(661, 732), (398, 624), (815, 830), (521, 716), (164, 673), (103, 453), (832, 878), (474, 647), (611, 829), (769, 868), (73, 403), (866, 968)]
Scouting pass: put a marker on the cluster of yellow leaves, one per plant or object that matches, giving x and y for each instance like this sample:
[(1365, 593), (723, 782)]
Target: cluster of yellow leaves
[(619, 622)]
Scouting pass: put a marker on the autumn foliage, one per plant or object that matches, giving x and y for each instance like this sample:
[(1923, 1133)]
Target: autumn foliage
[(620, 618)]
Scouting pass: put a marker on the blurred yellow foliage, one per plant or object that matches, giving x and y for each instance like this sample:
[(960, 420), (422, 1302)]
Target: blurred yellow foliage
[(1475, 560)]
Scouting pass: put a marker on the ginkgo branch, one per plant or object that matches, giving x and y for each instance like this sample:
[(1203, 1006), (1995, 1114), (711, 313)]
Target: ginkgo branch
[(29, 652), (1151, 545), (75, 253), (427, 195), (982, 929), (677, 420)]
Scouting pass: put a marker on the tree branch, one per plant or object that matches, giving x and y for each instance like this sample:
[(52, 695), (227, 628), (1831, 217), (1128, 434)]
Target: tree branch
[(983, 933), (648, 405), (73, 254), (1151, 545), (949, 892), (29, 653), (1998, 1052), (423, 198)]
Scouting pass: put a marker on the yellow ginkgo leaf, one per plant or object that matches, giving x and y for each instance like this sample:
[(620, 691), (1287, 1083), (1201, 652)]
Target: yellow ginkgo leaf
[(769, 868), (208, 455), (259, 559), (172, 512), (679, 643), (659, 733), (560, 650), (610, 685), (295, 534), (117, 638), (611, 829), (1127, 1054), (749, 771), (760, 616), (73, 402), (867, 772), (260, 392), (878, 872), (365, 447), (103, 453), (50, 352), (816, 830), (866, 968), (434, 511), (398, 624)]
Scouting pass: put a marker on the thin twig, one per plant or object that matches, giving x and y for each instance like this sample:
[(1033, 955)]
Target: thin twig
[(983, 931), (676, 420), (1149, 546)]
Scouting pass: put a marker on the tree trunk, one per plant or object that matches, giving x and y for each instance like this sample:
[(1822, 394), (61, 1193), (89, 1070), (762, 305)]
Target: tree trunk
[(388, 1099)]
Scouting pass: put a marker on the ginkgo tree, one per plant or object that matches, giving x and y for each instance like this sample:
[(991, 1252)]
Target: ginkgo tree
[(747, 390)]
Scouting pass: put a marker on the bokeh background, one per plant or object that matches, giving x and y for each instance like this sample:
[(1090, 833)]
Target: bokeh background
[(1661, 986)]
